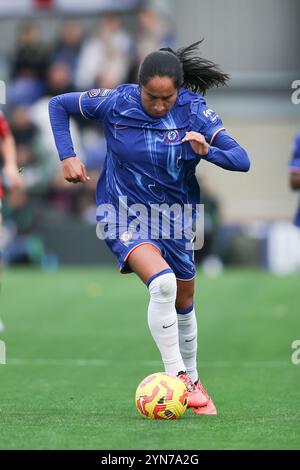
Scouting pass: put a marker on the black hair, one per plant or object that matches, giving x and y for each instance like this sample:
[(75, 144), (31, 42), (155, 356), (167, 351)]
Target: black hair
[(185, 67)]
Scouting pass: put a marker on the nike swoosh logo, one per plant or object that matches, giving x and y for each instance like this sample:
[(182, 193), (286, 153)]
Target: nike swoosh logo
[(164, 326), (190, 340)]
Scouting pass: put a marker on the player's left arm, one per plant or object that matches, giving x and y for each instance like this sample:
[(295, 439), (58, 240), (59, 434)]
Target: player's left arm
[(225, 151)]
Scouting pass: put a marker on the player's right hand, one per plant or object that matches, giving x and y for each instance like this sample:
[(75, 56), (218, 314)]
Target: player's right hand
[(74, 170)]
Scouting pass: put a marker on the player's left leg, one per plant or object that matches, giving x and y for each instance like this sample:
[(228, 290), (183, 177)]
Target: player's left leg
[(187, 326)]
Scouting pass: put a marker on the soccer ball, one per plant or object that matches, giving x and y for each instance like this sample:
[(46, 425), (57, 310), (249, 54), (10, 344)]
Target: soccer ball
[(161, 396)]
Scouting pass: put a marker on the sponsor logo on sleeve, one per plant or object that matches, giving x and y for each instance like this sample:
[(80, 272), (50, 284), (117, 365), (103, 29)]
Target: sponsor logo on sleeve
[(96, 92), (211, 115)]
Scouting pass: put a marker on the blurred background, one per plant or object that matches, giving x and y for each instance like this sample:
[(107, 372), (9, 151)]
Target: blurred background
[(49, 47)]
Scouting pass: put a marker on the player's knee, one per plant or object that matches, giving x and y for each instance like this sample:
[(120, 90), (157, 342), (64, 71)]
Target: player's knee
[(184, 302), (163, 288)]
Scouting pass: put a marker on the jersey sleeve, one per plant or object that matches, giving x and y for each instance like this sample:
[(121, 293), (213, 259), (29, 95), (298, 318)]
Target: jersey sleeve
[(206, 121), (294, 165), (96, 103), (228, 154), (4, 127)]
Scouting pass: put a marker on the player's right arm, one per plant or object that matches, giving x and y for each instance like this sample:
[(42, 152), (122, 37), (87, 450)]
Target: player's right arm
[(60, 109), (92, 104), (295, 165)]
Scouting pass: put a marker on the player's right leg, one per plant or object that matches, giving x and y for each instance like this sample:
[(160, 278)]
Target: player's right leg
[(154, 271), (150, 266)]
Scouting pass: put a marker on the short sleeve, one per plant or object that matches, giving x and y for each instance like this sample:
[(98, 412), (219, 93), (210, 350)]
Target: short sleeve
[(206, 121), (295, 160), (96, 103)]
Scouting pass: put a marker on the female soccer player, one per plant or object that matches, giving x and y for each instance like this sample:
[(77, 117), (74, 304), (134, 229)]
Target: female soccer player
[(10, 172), (156, 132)]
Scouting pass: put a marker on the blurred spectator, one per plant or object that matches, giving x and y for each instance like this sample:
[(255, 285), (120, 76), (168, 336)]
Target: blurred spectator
[(104, 60), (68, 45), (8, 157), (153, 33), (58, 79), (31, 56), (32, 154), (25, 205), (28, 67)]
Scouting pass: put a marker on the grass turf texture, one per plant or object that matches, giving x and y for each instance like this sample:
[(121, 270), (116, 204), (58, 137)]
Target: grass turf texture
[(78, 345)]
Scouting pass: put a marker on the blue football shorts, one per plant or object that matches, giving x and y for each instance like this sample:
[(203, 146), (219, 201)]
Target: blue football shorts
[(179, 258)]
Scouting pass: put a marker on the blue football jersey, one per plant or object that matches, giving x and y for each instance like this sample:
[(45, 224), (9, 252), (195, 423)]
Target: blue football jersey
[(146, 160), (295, 166)]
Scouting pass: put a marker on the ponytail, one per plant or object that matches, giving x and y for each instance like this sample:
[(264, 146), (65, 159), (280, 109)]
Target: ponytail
[(198, 74)]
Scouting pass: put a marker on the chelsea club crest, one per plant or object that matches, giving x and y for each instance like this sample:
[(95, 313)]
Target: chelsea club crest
[(172, 136)]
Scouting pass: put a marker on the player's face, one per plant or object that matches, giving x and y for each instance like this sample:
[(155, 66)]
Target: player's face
[(158, 96)]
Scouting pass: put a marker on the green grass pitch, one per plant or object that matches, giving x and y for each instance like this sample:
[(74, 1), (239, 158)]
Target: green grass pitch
[(78, 345)]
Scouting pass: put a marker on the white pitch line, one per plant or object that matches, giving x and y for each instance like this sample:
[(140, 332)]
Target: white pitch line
[(107, 362), (246, 364), (58, 362), (221, 364)]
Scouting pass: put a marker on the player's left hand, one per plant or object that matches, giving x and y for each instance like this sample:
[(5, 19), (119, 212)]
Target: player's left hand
[(197, 141), (12, 177)]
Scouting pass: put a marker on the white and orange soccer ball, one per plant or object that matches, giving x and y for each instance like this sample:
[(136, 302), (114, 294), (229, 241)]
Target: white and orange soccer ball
[(161, 396)]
